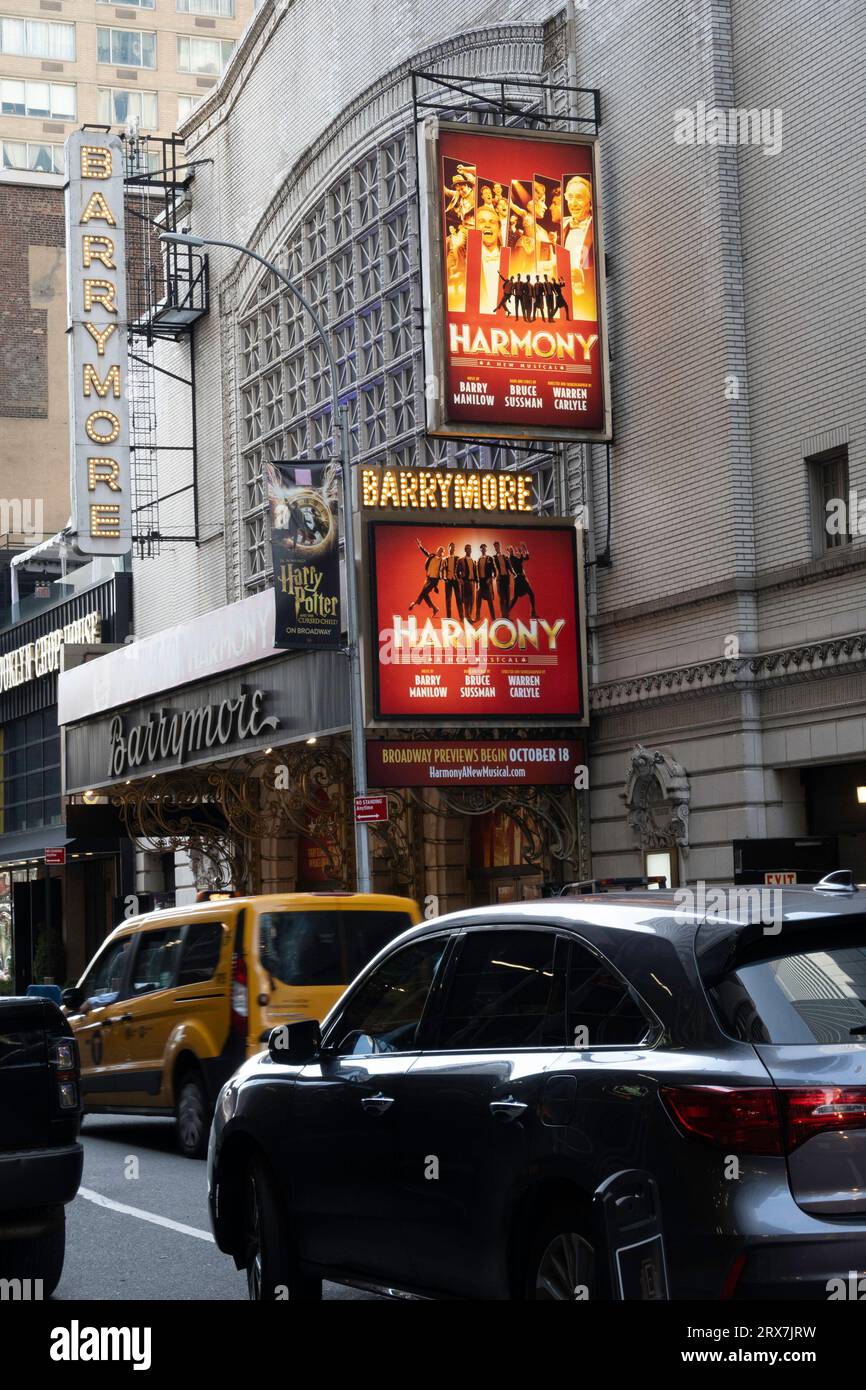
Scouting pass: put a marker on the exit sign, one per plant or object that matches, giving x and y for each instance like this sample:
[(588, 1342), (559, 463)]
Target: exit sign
[(55, 856), (780, 880)]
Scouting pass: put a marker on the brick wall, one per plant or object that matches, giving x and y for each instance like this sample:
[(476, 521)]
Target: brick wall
[(28, 217)]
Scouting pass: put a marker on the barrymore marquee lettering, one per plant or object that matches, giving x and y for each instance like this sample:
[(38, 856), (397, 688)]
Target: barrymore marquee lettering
[(178, 733)]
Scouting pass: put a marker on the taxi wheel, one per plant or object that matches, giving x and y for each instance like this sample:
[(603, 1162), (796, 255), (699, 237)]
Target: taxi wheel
[(272, 1269), (191, 1113)]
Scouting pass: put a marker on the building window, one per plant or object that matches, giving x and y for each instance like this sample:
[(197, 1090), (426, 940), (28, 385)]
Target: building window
[(126, 48), (205, 56), (48, 100), (37, 38), (222, 9), (828, 477), (31, 772), (117, 106), (128, 4), (41, 159), (185, 107)]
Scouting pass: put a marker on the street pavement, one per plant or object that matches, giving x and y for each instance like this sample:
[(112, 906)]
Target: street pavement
[(146, 1236)]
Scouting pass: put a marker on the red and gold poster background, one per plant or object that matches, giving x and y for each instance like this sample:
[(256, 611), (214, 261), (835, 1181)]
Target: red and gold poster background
[(518, 239), (510, 654)]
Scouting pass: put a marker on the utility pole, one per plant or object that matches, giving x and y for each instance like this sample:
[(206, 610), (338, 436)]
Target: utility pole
[(340, 419)]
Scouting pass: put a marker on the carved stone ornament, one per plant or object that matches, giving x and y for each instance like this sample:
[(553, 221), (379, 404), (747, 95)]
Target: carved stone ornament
[(657, 800)]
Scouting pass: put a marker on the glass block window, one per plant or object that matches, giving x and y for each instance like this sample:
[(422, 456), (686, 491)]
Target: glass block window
[(296, 394), (254, 486), (341, 212), (317, 291), (317, 234), (252, 412), (397, 244), (344, 350), (370, 328), (342, 278), (271, 331), (257, 546), (373, 406), (401, 386), (395, 171), (272, 401), (398, 318), (320, 434), (318, 372), (353, 251), (250, 347), (369, 273), (367, 181)]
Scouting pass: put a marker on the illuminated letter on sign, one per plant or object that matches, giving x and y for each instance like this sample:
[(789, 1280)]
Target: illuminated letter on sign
[(100, 488)]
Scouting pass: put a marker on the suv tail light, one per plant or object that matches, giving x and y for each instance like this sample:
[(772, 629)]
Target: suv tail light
[(64, 1059), (743, 1119), (814, 1110), (240, 996), (764, 1119)]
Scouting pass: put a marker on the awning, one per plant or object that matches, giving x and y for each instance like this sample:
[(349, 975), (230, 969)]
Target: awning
[(31, 844)]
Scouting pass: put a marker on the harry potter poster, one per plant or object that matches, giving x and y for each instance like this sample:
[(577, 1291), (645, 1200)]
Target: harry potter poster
[(306, 556)]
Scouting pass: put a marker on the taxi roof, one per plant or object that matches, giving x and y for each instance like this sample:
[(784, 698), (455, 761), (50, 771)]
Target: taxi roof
[(273, 901)]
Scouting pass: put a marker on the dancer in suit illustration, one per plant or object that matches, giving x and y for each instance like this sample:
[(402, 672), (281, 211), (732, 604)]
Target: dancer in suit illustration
[(433, 561), (517, 558)]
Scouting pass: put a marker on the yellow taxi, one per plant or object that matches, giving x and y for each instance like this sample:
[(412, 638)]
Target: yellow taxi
[(175, 1000)]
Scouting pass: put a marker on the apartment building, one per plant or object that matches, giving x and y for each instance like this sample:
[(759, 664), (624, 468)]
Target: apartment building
[(66, 63)]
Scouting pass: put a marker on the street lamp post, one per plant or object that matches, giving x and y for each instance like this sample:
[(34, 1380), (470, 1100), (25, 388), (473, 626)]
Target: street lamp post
[(340, 417)]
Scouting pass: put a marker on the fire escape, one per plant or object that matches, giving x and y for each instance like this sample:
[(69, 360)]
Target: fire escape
[(167, 293)]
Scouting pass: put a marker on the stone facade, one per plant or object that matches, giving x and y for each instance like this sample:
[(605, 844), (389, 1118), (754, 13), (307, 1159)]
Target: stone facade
[(723, 638)]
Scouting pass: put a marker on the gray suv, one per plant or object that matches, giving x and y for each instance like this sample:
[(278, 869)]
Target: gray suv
[(582, 1097)]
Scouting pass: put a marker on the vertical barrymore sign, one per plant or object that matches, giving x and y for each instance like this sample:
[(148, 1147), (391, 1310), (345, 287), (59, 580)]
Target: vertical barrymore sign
[(96, 287)]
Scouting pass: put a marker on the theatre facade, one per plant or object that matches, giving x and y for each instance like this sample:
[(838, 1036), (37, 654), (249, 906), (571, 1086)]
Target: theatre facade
[(214, 745)]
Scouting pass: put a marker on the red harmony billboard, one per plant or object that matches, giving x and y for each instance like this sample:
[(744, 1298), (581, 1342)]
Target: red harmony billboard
[(474, 623), (513, 251), (473, 762)]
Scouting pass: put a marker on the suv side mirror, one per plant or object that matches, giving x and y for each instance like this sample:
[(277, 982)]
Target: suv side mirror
[(72, 998), (295, 1042)]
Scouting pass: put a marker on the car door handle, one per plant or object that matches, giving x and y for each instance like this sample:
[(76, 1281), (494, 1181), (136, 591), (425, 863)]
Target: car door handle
[(124, 1018), (378, 1104), (507, 1110)]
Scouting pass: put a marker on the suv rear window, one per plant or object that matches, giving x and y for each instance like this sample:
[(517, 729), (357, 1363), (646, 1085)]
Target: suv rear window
[(804, 989), (324, 947)]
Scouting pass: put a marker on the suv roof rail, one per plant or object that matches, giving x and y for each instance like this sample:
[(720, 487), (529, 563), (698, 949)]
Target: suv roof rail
[(607, 885), (839, 881)]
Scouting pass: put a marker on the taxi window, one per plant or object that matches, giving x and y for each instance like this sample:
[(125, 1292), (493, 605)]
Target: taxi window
[(102, 983), (324, 947), (201, 953), (156, 960)]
